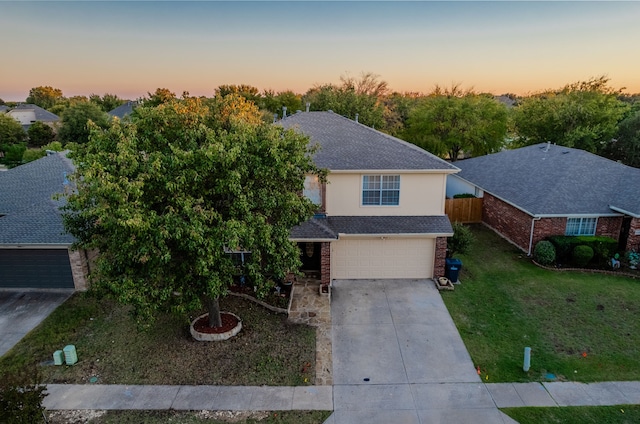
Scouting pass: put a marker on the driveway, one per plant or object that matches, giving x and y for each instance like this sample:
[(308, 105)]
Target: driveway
[(22, 310), (398, 357)]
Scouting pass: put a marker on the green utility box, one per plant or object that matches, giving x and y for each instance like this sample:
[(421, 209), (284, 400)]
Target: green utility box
[(70, 355), (58, 357)]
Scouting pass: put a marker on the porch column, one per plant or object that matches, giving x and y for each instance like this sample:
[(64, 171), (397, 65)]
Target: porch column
[(440, 257), (325, 263)]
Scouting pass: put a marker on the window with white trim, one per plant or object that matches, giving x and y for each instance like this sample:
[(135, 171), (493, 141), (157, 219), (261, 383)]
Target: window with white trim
[(581, 226), (380, 190)]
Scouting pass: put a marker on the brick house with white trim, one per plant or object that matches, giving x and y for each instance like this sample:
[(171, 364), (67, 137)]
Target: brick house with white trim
[(542, 190)]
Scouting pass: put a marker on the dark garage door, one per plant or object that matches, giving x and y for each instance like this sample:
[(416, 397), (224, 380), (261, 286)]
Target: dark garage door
[(31, 268)]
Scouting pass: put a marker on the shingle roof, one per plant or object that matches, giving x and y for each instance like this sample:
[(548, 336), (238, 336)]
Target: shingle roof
[(331, 227), (348, 145), (4, 108), (555, 180), (42, 115), (123, 110), (31, 215)]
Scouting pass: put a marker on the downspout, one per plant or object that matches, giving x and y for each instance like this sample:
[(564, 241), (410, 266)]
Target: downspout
[(533, 224)]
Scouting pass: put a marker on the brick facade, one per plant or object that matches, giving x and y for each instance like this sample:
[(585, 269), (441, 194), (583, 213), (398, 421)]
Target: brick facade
[(325, 262), (440, 257), (515, 225), (633, 242), (511, 223)]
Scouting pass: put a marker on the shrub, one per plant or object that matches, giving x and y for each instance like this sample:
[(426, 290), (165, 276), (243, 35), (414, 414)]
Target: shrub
[(30, 155), (544, 253), (461, 240), (21, 398), (464, 196), (582, 255), (56, 146), (603, 247)]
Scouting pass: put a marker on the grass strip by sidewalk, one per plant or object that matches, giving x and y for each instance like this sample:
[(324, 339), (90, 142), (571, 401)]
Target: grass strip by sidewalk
[(111, 350), (621, 414), (153, 417), (580, 326)]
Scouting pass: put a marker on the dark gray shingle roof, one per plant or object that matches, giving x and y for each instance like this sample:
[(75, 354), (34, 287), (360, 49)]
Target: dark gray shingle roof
[(330, 227), (31, 216), (348, 145), (555, 180), (42, 115), (123, 110)]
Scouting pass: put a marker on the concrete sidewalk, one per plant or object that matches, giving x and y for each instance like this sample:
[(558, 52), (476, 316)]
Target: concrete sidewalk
[(213, 398), (280, 398)]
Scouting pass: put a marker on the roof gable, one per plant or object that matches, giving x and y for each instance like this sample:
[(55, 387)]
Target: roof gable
[(554, 180), (41, 114), (348, 145)]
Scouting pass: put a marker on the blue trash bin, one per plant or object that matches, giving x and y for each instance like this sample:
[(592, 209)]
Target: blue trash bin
[(452, 269)]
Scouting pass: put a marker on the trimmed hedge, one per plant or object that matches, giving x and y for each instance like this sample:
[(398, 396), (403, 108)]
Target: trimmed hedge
[(464, 196), (582, 254), (603, 247)]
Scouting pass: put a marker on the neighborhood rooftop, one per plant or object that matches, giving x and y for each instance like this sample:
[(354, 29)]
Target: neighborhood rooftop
[(347, 145), (546, 179), (41, 114), (28, 213)]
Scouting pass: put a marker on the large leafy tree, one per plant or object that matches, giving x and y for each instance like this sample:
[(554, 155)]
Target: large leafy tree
[(40, 134), (625, 147), (44, 96), (583, 115), (447, 123), (11, 131), (74, 127), (108, 102), (165, 196), (354, 96)]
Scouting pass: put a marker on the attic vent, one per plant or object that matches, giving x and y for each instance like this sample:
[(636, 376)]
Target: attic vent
[(565, 152)]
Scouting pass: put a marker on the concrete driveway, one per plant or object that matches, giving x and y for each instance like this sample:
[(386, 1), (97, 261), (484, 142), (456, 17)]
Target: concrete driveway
[(22, 310), (398, 357)]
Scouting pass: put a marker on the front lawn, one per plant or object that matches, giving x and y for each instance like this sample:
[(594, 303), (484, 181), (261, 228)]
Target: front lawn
[(111, 350), (621, 414), (580, 326)]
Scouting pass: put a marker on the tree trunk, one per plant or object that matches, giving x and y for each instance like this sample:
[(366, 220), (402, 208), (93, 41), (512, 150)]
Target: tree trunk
[(215, 320)]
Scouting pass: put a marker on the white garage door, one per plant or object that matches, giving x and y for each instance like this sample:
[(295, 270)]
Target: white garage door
[(377, 258)]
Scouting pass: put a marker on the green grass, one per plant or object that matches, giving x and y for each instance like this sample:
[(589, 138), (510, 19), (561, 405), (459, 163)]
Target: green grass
[(580, 326), (268, 350), (152, 417), (622, 414)]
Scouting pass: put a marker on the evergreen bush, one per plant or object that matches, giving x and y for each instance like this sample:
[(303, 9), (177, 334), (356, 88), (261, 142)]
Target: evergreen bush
[(544, 253), (581, 255)]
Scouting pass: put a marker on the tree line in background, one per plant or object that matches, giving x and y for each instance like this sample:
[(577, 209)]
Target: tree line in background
[(450, 122)]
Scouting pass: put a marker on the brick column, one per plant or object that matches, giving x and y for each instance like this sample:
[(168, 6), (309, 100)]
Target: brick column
[(440, 256), (325, 263), (633, 242)]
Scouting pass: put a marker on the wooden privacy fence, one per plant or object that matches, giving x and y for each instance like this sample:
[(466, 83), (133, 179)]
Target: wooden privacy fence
[(466, 210)]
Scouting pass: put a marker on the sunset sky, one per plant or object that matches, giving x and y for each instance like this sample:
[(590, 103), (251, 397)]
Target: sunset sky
[(131, 48)]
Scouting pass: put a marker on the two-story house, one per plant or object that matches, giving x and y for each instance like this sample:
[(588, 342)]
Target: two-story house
[(382, 209)]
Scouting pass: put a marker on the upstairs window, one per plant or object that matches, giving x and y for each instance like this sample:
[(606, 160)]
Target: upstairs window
[(581, 226), (313, 189), (381, 190)]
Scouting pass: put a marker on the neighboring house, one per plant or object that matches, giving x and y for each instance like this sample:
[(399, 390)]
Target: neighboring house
[(542, 190), (382, 209), (34, 248), (123, 110), (28, 114), (4, 109)]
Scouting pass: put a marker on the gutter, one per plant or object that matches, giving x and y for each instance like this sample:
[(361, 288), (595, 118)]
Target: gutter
[(533, 224), (634, 215)]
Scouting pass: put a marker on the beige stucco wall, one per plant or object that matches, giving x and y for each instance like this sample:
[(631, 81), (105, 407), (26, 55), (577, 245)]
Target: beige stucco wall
[(420, 194)]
